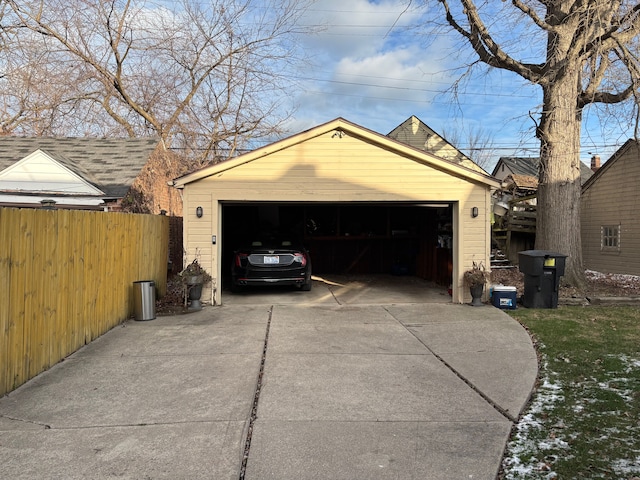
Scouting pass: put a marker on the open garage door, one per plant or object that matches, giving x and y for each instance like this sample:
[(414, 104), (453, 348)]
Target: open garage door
[(351, 238)]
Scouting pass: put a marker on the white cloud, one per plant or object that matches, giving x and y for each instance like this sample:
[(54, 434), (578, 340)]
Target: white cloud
[(367, 65), (357, 28), (371, 67)]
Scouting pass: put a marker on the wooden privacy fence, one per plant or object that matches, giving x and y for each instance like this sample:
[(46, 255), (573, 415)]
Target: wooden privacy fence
[(66, 277)]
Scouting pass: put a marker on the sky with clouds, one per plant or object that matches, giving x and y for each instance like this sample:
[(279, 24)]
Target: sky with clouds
[(370, 65)]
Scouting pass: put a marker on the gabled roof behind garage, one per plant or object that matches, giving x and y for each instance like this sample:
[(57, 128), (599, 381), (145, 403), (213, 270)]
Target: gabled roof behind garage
[(418, 134), (342, 127), (109, 164)]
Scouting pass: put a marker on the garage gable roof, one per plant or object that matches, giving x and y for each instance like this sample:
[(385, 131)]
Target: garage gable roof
[(342, 126)]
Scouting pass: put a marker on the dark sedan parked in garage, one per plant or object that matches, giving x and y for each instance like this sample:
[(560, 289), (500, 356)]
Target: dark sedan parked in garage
[(271, 261)]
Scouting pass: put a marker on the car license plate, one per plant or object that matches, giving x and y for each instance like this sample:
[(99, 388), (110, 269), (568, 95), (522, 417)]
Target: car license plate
[(271, 259)]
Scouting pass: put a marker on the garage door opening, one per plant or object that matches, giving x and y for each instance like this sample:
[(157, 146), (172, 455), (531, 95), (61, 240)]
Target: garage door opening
[(351, 238)]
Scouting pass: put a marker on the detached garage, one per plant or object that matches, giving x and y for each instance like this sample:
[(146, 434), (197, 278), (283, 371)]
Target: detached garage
[(361, 202)]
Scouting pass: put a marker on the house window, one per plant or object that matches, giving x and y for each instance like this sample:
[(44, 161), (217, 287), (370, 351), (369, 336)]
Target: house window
[(610, 238)]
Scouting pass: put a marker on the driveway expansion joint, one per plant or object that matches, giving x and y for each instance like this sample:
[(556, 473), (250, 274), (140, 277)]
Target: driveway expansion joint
[(504, 412), (256, 400), (23, 420), (333, 294)]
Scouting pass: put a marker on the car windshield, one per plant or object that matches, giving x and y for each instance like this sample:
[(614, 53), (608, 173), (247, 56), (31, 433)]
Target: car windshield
[(274, 242)]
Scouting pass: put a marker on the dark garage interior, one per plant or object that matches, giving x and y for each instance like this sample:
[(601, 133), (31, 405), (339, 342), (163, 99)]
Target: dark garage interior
[(350, 238)]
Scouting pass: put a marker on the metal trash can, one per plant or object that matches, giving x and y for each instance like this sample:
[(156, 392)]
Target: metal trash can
[(542, 271), (144, 299)]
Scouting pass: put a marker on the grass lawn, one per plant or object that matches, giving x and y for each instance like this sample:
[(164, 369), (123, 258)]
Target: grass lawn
[(584, 418)]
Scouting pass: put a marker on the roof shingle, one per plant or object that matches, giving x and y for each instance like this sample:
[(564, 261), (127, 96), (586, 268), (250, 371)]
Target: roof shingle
[(529, 166), (110, 164)]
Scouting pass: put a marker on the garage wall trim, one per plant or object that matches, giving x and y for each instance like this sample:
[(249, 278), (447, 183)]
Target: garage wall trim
[(338, 162)]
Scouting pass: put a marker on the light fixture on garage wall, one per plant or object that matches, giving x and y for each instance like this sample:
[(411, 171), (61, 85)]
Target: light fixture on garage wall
[(474, 212), (199, 212), (338, 134)]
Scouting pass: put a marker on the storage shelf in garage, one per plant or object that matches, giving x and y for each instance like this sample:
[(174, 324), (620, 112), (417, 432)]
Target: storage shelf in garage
[(359, 237)]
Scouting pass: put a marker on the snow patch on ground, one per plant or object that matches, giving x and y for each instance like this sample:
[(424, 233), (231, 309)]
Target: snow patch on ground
[(529, 456), (613, 386), (630, 363), (625, 284), (626, 467), (525, 456), (613, 276)]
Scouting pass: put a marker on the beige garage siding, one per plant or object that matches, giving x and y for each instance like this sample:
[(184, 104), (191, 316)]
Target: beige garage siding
[(318, 170), (339, 166), (197, 238)]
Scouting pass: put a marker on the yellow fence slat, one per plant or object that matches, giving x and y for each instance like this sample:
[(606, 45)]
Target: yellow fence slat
[(19, 275), (66, 277), (35, 334), (7, 224), (17, 310), (64, 308), (85, 313), (76, 280), (50, 288)]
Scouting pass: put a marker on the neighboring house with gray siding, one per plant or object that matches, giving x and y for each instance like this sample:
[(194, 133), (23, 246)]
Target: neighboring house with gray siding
[(609, 217)]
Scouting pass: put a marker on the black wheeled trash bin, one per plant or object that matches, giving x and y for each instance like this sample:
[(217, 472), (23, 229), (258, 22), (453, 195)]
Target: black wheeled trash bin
[(144, 299), (542, 271)]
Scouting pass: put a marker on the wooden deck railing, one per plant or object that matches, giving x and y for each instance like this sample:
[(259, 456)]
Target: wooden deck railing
[(520, 219)]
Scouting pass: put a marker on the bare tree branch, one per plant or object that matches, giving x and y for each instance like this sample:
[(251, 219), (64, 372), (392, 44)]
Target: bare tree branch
[(154, 69), (483, 44), (532, 14), (591, 57)]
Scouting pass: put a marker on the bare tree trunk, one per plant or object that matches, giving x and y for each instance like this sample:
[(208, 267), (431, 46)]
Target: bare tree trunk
[(558, 224), (591, 58)]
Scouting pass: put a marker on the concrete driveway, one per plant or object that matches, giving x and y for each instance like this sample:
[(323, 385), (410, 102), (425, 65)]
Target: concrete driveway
[(345, 382)]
